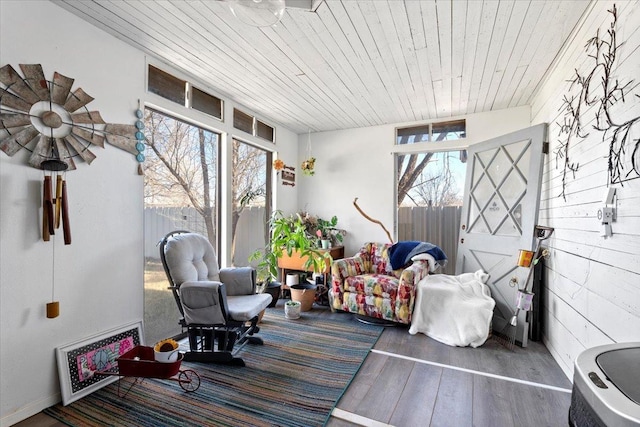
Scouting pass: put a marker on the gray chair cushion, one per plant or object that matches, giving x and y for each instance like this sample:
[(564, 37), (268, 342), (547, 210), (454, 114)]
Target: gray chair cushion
[(246, 307), (203, 303), (190, 257), (239, 280)]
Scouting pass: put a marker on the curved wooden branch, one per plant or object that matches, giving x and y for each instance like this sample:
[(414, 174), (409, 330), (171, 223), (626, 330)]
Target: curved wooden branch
[(371, 219)]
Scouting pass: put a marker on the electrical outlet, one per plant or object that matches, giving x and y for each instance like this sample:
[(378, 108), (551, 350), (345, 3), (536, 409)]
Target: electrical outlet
[(607, 215)]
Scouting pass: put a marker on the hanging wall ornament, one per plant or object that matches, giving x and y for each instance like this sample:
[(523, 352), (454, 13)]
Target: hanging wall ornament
[(140, 138), (53, 122)]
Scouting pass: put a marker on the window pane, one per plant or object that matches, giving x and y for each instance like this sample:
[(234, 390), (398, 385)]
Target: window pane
[(251, 200), (206, 103), (430, 192), (455, 129), (166, 85), (413, 134), (242, 121), (180, 167), (264, 131)]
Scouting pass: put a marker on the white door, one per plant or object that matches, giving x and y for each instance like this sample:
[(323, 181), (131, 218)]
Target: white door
[(500, 211)]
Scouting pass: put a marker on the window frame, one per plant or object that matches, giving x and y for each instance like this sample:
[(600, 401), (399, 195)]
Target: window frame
[(255, 123), (430, 126), (188, 87)]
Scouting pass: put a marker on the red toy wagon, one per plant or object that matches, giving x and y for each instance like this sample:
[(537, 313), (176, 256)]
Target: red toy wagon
[(140, 362)]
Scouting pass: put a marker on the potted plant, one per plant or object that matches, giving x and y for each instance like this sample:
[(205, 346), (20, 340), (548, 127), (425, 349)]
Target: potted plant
[(292, 309), (308, 166), (329, 232), (322, 229), (267, 273), (288, 235)]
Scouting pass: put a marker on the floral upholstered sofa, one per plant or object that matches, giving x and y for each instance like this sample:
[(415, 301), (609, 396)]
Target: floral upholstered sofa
[(366, 284)]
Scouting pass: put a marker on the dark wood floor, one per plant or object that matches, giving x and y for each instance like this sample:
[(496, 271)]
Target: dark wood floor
[(413, 380), (438, 385)]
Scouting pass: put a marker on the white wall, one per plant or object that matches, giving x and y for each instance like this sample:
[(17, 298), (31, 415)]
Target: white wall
[(358, 163), (99, 277), (593, 293)]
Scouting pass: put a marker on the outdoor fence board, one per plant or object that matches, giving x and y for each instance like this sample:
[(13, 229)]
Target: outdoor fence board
[(438, 225)]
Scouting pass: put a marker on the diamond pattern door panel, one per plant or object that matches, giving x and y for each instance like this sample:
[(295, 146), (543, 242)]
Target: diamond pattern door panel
[(500, 211)]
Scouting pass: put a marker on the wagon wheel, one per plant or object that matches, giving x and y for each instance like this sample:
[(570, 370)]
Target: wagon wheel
[(189, 380)]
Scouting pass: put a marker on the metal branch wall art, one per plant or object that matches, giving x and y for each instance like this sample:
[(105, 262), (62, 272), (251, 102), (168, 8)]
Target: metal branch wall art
[(599, 90)]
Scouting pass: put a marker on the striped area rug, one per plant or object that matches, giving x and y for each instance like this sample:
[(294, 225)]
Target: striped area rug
[(295, 379)]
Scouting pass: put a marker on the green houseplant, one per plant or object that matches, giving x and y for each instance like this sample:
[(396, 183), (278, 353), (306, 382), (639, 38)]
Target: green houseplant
[(327, 230), (322, 229), (288, 235)]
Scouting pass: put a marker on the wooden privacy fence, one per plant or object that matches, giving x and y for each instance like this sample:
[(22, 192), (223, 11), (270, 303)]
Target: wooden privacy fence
[(438, 225), (158, 221)]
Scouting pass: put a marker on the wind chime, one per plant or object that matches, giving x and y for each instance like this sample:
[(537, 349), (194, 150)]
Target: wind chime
[(55, 210), (52, 121)]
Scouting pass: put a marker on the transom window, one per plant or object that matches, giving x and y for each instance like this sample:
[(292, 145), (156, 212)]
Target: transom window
[(251, 125), (432, 132), (182, 92)]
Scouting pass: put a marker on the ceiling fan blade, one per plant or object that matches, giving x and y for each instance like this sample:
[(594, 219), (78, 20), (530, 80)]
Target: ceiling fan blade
[(258, 13)]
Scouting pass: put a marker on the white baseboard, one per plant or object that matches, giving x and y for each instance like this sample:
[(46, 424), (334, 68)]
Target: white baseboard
[(29, 410)]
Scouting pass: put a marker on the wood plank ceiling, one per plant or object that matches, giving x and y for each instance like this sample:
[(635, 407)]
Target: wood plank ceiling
[(353, 63)]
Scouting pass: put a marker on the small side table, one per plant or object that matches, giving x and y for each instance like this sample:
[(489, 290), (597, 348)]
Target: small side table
[(296, 262)]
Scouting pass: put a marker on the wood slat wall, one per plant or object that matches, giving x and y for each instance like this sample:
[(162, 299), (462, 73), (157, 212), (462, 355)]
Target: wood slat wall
[(593, 283)]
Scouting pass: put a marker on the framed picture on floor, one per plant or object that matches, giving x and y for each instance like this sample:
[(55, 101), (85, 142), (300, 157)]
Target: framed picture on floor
[(80, 362)]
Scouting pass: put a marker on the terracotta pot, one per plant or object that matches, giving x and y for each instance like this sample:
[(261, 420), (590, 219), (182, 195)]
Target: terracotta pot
[(305, 293)]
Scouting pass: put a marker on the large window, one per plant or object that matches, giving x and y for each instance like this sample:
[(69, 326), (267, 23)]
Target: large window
[(251, 185), (181, 187), (430, 189), (183, 174)]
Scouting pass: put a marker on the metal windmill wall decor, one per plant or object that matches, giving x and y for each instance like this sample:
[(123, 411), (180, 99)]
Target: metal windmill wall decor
[(48, 119), (53, 122)]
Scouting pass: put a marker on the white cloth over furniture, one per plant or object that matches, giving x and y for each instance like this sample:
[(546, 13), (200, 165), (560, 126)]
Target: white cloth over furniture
[(455, 310)]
